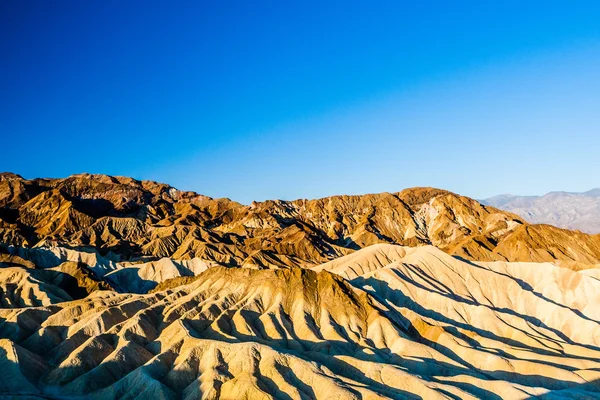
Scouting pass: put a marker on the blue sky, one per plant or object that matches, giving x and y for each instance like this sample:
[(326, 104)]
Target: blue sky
[(273, 99)]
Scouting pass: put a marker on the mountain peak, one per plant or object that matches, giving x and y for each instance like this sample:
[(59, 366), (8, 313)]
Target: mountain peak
[(5, 176)]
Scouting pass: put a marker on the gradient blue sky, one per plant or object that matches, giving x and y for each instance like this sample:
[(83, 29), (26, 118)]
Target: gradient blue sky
[(275, 99)]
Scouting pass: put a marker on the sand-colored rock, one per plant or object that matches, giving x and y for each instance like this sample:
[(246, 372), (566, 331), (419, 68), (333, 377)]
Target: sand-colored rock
[(366, 260), (141, 278), (115, 288), (29, 286), (395, 323)]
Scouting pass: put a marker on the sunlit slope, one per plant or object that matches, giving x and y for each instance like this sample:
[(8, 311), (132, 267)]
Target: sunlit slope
[(424, 325), (128, 220), (28, 286)]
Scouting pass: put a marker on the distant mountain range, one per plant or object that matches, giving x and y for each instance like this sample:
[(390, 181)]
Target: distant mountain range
[(567, 210)]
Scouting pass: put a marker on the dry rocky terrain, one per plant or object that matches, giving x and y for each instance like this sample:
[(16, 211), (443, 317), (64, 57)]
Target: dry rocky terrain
[(115, 288)]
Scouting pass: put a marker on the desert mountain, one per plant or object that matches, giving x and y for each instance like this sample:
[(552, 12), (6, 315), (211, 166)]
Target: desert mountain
[(567, 210), (123, 219), (113, 288), (425, 325)]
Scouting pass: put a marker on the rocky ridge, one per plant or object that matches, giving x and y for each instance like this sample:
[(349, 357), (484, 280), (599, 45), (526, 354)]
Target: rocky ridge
[(114, 288), (123, 219)]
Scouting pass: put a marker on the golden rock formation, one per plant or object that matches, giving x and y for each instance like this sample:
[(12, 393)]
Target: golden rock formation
[(113, 288)]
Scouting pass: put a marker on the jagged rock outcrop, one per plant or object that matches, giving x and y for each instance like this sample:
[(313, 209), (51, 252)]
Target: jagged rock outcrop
[(123, 219)]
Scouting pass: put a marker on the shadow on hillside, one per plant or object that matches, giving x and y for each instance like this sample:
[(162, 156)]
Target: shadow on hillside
[(58, 286), (323, 353), (95, 208), (448, 293), (129, 280), (525, 286), (145, 356), (10, 215), (10, 297), (45, 258), (428, 368), (71, 285)]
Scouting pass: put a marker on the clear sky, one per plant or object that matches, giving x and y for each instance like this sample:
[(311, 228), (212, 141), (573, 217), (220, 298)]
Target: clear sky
[(280, 99)]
